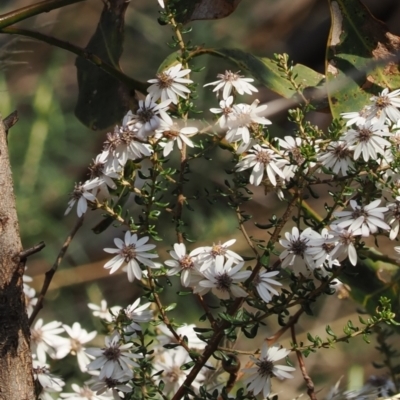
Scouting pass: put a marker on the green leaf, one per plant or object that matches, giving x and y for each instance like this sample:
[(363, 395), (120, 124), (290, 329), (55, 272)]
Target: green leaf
[(266, 71), (103, 100), (360, 59), (191, 10)]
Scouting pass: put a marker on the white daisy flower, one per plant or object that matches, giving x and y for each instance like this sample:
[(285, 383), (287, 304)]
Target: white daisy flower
[(226, 110), (324, 250), (356, 117), (367, 140), (170, 84), (222, 278), (138, 314), (393, 218), (99, 169), (262, 159), (385, 105), (263, 282), (344, 240), (230, 81), (74, 344), (149, 116), (113, 386), (131, 147), (337, 157), (83, 393), (45, 338), (30, 299), (182, 263), (367, 218), (114, 358), (131, 251), (173, 376), (47, 382), (172, 132), (207, 254), (82, 194), (103, 311), (300, 248), (259, 379), (243, 119)]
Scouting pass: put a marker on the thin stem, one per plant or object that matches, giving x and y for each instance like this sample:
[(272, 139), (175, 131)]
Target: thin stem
[(244, 232), (93, 58), (34, 9), (302, 365), (162, 312), (50, 273)]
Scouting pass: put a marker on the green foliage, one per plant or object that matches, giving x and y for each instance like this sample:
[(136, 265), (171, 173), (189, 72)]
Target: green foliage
[(361, 57)]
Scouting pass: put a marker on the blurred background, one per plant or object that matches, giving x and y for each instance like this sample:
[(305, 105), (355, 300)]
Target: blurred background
[(50, 151)]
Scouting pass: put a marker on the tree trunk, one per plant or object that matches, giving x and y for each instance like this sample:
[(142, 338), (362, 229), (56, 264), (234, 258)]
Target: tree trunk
[(16, 379)]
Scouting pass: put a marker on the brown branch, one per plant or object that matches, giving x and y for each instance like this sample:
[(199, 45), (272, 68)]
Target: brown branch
[(16, 379), (302, 365), (50, 273), (32, 250), (87, 55), (34, 9)]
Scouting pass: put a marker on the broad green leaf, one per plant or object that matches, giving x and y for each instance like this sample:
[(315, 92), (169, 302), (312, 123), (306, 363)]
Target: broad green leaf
[(191, 10), (103, 100), (266, 71), (360, 59)]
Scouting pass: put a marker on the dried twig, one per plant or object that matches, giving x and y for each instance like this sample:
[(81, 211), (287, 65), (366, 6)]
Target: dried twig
[(32, 250), (50, 273), (302, 365)]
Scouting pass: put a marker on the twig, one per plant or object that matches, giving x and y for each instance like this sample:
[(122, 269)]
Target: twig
[(32, 10), (32, 250), (93, 58), (50, 273), (164, 316), (207, 310), (302, 365), (10, 121)]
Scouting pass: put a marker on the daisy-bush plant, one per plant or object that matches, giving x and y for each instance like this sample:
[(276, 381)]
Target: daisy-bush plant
[(249, 289)]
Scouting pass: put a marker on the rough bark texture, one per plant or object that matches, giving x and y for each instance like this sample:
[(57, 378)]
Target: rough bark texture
[(16, 380)]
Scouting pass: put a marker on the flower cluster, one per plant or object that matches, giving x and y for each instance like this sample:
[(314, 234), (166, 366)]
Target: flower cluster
[(368, 141)]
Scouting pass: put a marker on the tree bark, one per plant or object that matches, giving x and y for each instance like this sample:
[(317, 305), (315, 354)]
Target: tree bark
[(16, 379)]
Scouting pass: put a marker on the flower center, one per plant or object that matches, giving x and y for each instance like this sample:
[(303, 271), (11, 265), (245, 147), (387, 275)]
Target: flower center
[(341, 151), (129, 252), (111, 383), (263, 157), (186, 262), (78, 191), (174, 374), (217, 250), (229, 76), (165, 81), (298, 246), (382, 102), (145, 115), (359, 212), (265, 367), (364, 135), (76, 346), (96, 169), (112, 353), (328, 247), (224, 282), (113, 141)]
